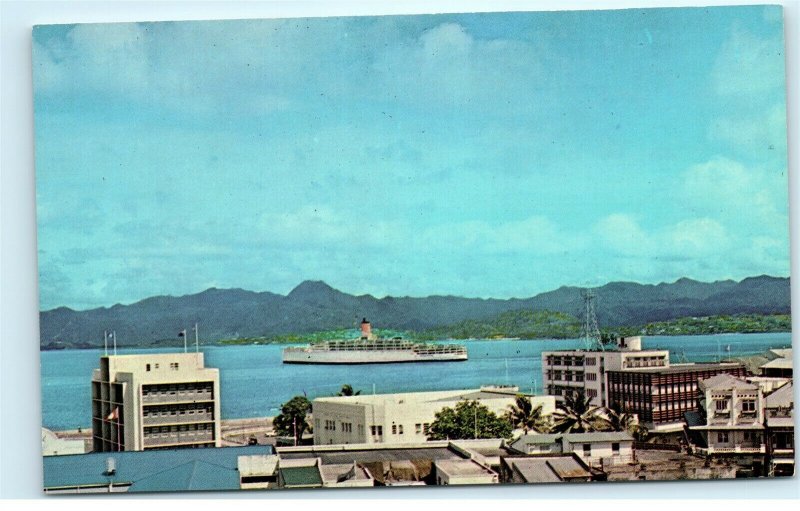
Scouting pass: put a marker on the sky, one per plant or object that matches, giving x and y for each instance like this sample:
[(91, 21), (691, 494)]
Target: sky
[(483, 155)]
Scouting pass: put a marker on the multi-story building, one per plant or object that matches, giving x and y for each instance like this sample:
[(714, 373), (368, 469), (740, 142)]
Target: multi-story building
[(586, 370), (779, 364), (779, 421), (155, 401), (730, 421), (660, 396), (402, 418)]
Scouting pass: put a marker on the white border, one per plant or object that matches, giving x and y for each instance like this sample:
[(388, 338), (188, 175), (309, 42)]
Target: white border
[(20, 462)]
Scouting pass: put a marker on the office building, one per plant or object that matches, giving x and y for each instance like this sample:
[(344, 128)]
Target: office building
[(660, 396), (402, 418), (155, 401), (585, 370)]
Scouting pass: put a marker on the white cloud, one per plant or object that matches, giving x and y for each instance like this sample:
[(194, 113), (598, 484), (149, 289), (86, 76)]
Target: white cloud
[(748, 65)]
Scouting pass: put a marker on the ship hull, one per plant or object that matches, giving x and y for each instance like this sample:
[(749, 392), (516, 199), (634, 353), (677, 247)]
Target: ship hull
[(366, 357)]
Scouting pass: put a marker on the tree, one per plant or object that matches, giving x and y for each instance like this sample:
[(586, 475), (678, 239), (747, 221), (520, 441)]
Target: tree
[(469, 419), (577, 415), (618, 420), (347, 390), (525, 416), (292, 420)]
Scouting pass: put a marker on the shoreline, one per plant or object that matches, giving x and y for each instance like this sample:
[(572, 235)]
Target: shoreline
[(471, 339)]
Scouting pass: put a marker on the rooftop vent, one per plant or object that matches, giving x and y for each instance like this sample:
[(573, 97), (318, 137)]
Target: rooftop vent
[(111, 466)]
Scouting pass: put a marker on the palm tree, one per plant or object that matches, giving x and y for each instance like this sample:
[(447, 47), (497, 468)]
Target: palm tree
[(347, 390), (618, 420), (577, 415), (522, 414)]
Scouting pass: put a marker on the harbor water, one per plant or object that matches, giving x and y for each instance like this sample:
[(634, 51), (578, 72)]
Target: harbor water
[(254, 381)]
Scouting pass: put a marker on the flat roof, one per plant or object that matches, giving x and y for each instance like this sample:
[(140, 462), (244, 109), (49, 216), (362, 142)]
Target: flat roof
[(462, 468), (681, 368), (333, 457), (162, 470), (301, 476)]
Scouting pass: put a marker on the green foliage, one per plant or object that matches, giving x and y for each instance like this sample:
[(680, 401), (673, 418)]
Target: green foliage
[(292, 421), (577, 415), (523, 324), (523, 415), (529, 324), (739, 323), (469, 419), (347, 390)]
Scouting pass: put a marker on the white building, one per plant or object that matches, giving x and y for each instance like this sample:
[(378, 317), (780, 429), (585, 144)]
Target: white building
[(467, 471), (573, 370), (731, 420), (53, 445), (402, 418), (155, 401), (595, 448)]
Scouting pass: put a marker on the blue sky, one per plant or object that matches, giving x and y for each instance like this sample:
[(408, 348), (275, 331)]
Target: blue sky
[(488, 155)]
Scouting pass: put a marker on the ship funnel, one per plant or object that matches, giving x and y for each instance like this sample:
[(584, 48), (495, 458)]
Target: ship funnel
[(366, 329)]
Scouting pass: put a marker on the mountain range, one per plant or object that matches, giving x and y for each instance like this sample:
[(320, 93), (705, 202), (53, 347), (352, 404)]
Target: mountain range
[(315, 306)]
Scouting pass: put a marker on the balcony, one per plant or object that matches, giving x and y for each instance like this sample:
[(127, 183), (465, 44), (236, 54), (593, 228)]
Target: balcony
[(746, 448), (177, 419), (177, 397), (184, 437)]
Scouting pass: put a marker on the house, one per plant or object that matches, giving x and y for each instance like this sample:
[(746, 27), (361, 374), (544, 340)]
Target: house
[(730, 422), (596, 448)]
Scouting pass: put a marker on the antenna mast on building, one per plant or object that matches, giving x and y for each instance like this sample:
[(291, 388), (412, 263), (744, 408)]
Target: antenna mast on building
[(590, 332)]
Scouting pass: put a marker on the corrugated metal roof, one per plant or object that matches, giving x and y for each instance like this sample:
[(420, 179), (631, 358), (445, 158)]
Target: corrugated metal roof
[(194, 475), (374, 455), (301, 477), (724, 381), (783, 397), (598, 436), (134, 466)]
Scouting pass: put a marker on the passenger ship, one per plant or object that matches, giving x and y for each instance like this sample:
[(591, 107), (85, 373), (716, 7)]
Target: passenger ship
[(370, 349)]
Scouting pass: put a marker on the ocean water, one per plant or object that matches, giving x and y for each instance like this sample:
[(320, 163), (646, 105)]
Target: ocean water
[(254, 381)]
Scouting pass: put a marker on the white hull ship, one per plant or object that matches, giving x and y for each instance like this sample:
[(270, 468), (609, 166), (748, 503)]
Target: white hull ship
[(371, 350)]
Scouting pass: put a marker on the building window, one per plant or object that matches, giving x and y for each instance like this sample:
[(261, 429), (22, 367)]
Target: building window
[(394, 429), (590, 361), (749, 405), (591, 377), (587, 449), (173, 366), (615, 448), (722, 437), (418, 428), (156, 366), (147, 367), (425, 427), (400, 429), (721, 405), (376, 430)]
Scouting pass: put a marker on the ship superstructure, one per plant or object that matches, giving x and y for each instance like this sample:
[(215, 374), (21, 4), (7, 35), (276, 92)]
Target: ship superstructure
[(370, 349)]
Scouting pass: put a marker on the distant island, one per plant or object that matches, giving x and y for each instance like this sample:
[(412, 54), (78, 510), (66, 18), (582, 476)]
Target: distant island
[(525, 324), (314, 310)]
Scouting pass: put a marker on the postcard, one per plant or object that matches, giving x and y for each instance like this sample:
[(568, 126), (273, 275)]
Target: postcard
[(413, 250)]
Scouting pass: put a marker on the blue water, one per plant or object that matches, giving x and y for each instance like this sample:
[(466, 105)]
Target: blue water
[(254, 382)]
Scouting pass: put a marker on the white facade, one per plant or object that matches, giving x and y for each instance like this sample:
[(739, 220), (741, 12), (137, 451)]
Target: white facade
[(594, 448), (454, 472), (401, 418), (52, 445), (734, 415), (571, 370), (159, 400)]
